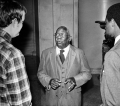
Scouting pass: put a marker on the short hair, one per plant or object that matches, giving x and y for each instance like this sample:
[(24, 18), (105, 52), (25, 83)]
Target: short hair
[(10, 10), (113, 12), (64, 28)]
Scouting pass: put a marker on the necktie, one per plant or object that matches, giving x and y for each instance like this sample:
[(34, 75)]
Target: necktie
[(62, 57)]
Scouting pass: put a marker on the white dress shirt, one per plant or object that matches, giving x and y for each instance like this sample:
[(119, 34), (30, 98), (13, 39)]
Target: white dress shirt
[(66, 50), (116, 39)]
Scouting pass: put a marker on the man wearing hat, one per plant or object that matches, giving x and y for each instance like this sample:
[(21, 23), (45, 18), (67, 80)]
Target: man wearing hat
[(110, 81)]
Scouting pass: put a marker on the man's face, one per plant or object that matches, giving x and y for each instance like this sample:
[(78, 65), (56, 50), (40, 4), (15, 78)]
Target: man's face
[(109, 29), (62, 39)]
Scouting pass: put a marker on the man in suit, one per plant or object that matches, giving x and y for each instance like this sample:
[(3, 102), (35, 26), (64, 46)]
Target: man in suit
[(110, 81), (63, 74)]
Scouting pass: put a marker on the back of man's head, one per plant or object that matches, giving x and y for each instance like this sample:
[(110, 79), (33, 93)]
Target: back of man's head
[(113, 12), (10, 10)]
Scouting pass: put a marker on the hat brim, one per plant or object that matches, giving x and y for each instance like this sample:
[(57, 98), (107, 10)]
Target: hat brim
[(102, 24)]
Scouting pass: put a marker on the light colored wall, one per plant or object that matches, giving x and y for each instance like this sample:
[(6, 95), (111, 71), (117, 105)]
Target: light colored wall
[(91, 35), (79, 16), (54, 13)]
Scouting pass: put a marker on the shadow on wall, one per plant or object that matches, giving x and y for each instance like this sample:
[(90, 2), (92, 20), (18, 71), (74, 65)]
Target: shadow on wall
[(22, 40), (37, 89)]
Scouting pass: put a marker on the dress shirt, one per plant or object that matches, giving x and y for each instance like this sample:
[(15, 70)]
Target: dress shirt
[(14, 84), (66, 50), (116, 39)]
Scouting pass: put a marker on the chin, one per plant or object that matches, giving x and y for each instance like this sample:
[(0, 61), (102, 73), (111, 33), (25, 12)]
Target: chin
[(59, 45), (16, 35)]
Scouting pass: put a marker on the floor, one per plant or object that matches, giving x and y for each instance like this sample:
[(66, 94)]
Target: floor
[(92, 97)]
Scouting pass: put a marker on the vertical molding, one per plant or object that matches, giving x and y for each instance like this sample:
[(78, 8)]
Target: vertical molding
[(73, 25), (36, 30), (56, 16), (36, 27), (45, 24), (75, 21), (33, 8), (53, 21)]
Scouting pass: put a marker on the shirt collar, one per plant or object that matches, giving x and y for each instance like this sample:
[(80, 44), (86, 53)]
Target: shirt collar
[(5, 35), (116, 39), (65, 50)]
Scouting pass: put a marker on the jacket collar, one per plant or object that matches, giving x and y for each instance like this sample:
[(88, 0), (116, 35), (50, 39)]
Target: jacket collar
[(5, 36), (53, 50), (53, 58), (117, 45)]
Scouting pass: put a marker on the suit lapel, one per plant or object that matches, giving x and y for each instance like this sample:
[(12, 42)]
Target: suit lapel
[(117, 45), (53, 61), (72, 55), (71, 59)]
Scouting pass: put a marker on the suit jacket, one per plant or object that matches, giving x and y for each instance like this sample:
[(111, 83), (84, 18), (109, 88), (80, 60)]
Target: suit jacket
[(110, 82), (77, 68)]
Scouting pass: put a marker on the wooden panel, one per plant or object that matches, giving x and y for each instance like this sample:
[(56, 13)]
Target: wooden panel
[(45, 24), (75, 23), (54, 13), (65, 13)]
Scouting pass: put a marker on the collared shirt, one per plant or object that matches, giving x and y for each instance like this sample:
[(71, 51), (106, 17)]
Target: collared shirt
[(66, 50), (14, 84), (116, 39)]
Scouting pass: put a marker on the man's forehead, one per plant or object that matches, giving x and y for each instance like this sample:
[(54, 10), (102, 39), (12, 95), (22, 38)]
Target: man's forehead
[(61, 30)]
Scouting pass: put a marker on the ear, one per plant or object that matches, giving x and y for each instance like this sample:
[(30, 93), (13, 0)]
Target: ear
[(14, 22), (113, 23), (70, 38)]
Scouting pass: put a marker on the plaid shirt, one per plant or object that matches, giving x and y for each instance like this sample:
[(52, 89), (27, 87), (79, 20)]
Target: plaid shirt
[(14, 84)]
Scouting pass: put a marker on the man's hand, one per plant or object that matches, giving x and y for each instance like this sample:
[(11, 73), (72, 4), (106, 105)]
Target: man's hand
[(54, 83), (72, 81)]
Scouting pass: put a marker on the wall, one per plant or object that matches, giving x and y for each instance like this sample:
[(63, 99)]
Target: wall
[(90, 33), (87, 35), (54, 13)]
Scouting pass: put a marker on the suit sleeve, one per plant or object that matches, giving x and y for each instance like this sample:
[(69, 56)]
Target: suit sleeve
[(84, 74), (42, 74)]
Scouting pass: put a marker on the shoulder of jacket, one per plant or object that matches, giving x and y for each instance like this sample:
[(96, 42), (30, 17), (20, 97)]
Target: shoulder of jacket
[(77, 49), (48, 50)]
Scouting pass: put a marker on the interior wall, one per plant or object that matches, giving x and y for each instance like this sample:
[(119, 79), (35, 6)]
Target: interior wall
[(26, 41), (55, 13), (91, 35)]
